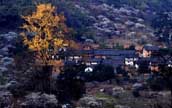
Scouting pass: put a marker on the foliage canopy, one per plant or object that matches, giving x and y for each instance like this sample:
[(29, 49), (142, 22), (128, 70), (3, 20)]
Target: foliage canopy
[(45, 32)]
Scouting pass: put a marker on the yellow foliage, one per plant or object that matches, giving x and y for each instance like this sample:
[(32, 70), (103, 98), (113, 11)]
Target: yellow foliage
[(44, 30), (58, 42)]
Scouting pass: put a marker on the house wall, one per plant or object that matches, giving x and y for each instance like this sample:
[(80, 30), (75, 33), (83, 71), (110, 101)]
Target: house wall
[(146, 53), (154, 68)]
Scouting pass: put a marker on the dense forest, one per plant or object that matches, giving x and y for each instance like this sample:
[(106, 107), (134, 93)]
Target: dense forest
[(80, 15), (11, 10)]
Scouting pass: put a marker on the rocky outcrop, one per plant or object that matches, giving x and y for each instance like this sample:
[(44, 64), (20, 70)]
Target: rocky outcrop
[(121, 106), (7, 43), (38, 100), (96, 102), (6, 99), (90, 102)]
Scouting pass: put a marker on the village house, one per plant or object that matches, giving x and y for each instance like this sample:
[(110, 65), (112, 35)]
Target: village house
[(111, 57), (148, 62), (169, 63), (155, 64), (152, 64), (149, 50)]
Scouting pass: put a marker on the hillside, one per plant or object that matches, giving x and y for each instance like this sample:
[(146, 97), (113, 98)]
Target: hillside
[(85, 53), (119, 22)]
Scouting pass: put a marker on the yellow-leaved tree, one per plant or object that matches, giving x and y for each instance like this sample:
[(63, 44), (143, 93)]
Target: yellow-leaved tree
[(45, 32)]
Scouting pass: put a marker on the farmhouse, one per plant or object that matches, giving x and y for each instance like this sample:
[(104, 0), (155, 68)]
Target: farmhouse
[(150, 61), (149, 50), (105, 56)]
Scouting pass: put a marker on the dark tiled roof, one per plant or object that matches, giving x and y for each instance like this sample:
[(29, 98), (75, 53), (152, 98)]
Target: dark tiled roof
[(113, 52), (105, 52), (70, 62), (153, 60), (143, 60), (157, 61), (80, 52), (151, 48), (114, 63), (117, 57), (94, 60)]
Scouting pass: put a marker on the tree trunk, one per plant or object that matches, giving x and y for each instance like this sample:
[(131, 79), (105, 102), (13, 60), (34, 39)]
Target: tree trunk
[(43, 79), (171, 96), (46, 81)]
